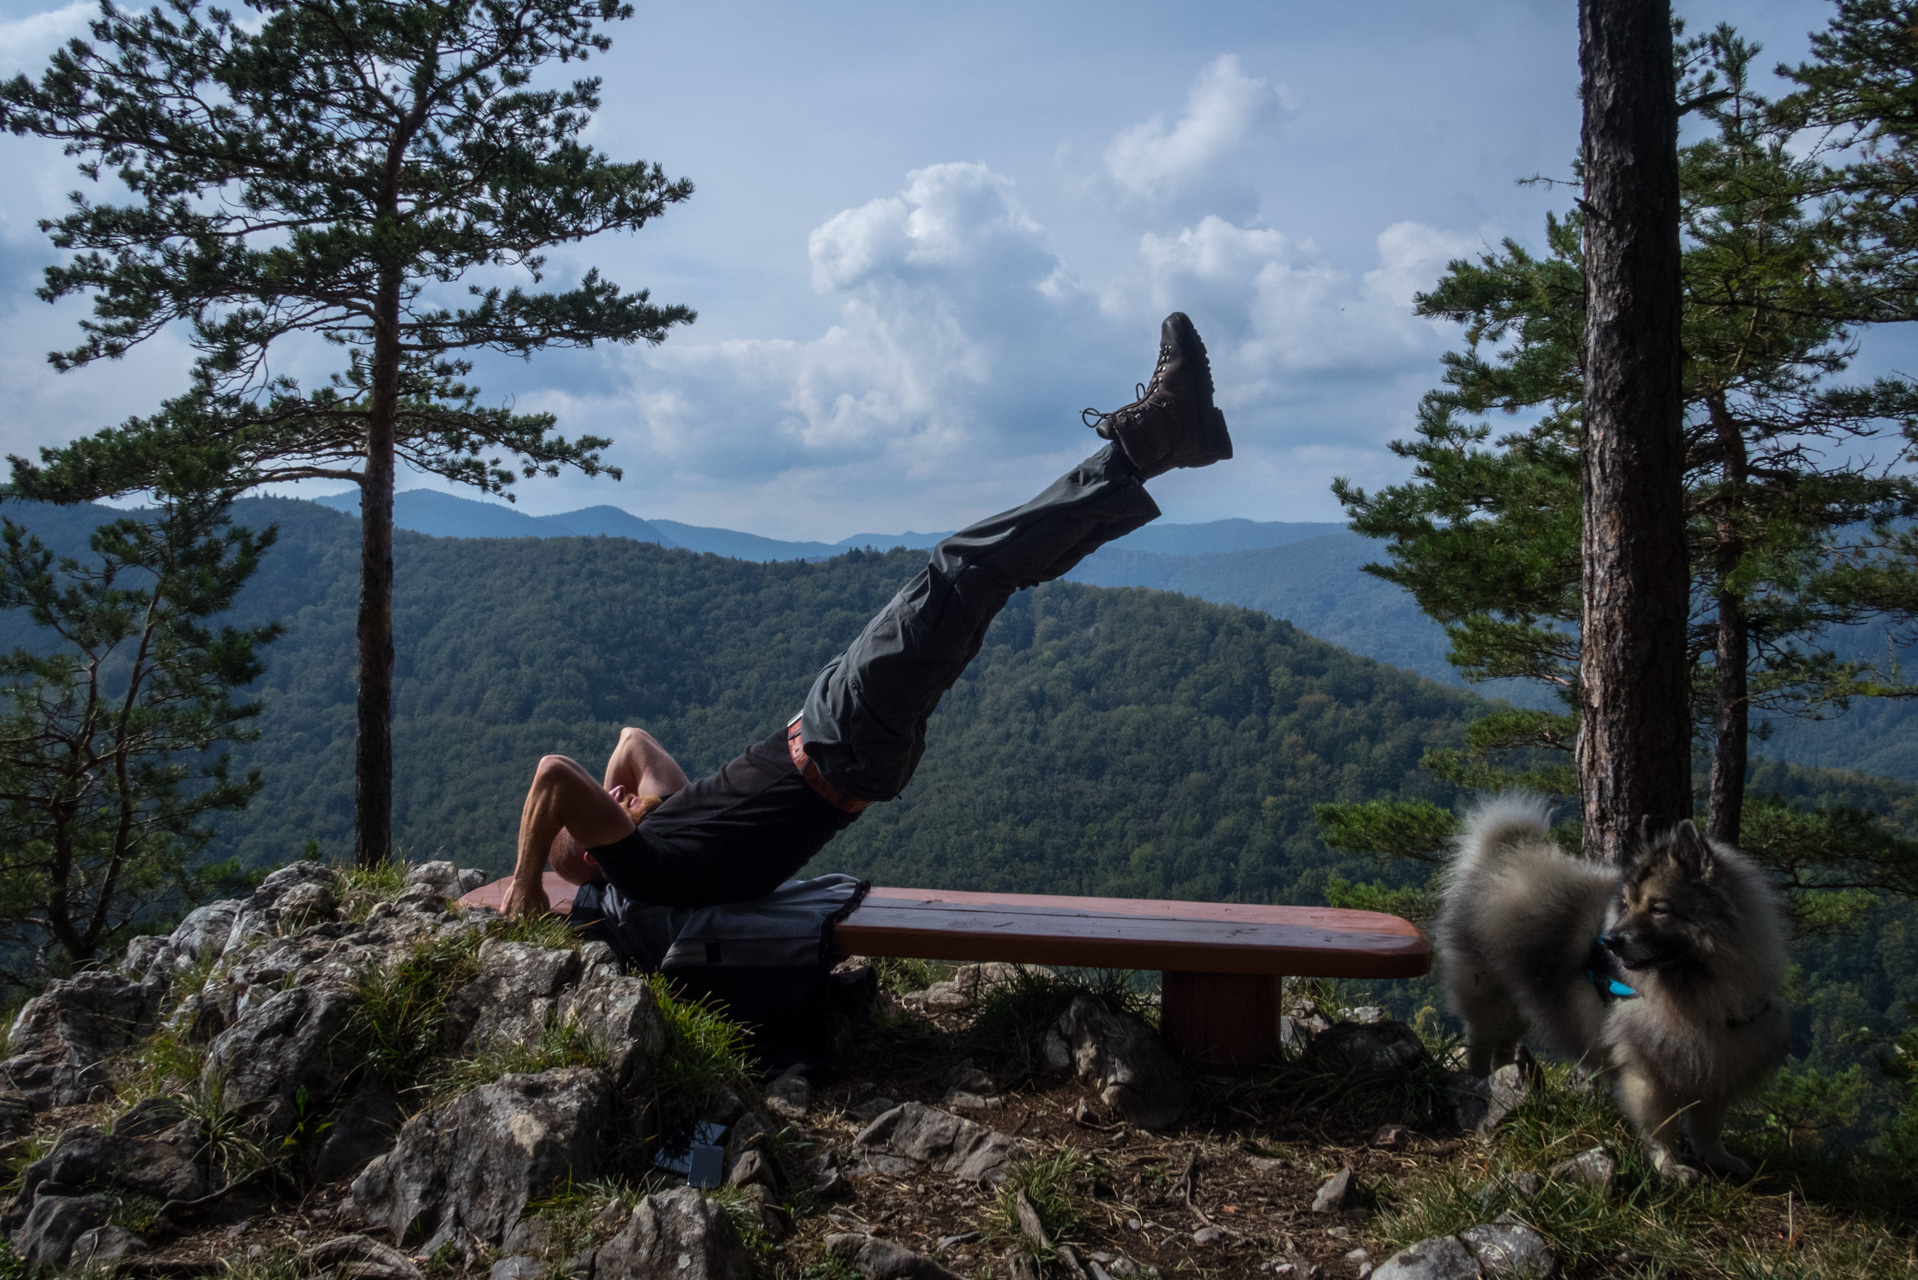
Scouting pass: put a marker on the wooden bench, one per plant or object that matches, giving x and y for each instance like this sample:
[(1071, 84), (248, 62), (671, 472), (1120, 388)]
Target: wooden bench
[(1220, 961)]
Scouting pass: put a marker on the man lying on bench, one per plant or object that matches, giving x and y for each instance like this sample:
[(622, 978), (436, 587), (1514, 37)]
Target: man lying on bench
[(738, 834)]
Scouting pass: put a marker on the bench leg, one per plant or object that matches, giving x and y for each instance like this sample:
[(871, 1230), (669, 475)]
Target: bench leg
[(1226, 1019)]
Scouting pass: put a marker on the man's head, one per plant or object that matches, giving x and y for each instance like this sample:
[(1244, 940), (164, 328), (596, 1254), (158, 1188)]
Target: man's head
[(570, 862)]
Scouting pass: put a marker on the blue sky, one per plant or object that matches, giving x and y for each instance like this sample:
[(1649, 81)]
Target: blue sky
[(925, 236)]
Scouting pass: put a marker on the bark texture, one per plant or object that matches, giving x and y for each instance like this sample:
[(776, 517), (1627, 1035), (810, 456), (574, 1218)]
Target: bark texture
[(373, 745), (1634, 757)]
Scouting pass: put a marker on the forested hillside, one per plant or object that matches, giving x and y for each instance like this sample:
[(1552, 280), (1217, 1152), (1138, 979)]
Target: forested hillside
[(1104, 741)]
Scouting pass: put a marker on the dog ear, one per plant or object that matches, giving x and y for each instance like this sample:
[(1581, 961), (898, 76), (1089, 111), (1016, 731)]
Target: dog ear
[(1692, 851)]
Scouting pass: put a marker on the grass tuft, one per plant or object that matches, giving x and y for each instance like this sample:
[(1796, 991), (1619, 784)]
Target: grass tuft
[(400, 1015), (900, 974), (555, 933), (705, 1060), (1056, 1183), (558, 1046), (360, 889)]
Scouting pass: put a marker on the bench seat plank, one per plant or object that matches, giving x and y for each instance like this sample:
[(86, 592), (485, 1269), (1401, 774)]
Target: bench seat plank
[(1113, 933), (1134, 933)]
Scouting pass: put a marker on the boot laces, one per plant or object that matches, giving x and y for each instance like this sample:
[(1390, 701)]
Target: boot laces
[(1141, 391)]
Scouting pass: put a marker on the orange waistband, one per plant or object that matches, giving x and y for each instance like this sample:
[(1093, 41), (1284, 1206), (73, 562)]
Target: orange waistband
[(815, 779)]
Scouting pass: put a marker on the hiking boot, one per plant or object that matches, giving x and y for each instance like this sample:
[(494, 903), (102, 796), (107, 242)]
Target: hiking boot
[(1173, 422)]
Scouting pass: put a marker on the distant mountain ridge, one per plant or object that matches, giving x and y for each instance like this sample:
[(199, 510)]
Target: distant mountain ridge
[(446, 515)]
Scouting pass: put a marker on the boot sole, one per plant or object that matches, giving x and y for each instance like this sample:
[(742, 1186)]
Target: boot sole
[(1215, 442), (1191, 346)]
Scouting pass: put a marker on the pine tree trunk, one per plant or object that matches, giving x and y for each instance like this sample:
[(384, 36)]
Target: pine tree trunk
[(1731, 716), (373, 748), (1634, 757), (1730, 722)]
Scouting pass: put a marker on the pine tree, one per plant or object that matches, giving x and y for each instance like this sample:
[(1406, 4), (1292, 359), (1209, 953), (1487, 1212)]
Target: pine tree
[(331, 169), (1778, 479), (108, 726)]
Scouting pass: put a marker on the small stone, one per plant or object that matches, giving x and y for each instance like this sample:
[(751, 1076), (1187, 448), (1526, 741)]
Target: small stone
[(1510, 1249), (1592, 1168), (1527, 1184), (1126, 1060), (677, 1233), (1207, 1235), (1358, 1255), (1440, 1258), (967, 1078), (871, 1109), (752, 1169), (831, 1185), (789, 1097), (973, 1102), (879, 1259), (1482, 1102), (945, 1142), (1263, 1164), (104, 1248), (1392, 1137), (521, 1267), (54, 1225), (1335, 1193)]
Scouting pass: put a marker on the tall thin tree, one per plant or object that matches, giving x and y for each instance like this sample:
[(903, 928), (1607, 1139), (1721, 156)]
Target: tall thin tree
[(330, 168), (1634, 747)]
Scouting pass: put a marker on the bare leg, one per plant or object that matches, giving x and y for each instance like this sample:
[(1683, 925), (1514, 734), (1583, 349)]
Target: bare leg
[(563, 797)]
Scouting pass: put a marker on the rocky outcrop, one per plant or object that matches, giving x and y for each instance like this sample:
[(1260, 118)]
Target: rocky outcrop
[(284, 1050), (164, 1167), (1124, 1059), (54, 1225), (676, 1235), (515, 995), (62, 1036), (618, 1014), (468, 1169), (914, 1133)]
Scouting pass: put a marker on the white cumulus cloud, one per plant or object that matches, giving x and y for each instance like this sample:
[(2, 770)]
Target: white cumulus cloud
[(1284, 314), (1223, 107), (950, 310)]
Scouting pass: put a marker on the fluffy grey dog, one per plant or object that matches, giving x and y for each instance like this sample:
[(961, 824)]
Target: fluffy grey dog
[(1664, 974)]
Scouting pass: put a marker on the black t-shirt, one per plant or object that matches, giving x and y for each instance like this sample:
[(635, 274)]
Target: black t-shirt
[(731, 837)]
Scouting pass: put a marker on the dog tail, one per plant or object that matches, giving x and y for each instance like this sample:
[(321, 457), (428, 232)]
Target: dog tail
[(1502, 823)]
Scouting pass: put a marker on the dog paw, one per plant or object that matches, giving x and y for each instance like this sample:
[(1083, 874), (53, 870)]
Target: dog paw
[(1670, 1167), (1727, 1165)]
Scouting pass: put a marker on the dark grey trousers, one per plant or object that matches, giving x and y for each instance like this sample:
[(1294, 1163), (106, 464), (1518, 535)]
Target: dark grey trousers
[(865, 718)]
